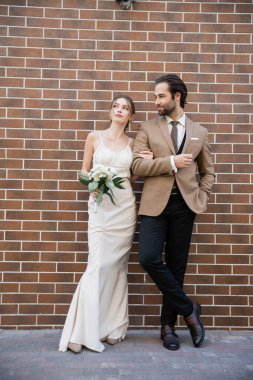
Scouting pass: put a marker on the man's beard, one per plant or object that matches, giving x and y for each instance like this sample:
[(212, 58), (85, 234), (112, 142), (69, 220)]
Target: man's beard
[(167, 111)]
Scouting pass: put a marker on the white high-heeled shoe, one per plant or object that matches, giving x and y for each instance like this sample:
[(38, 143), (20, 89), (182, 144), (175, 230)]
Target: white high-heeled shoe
[(76, 348), (113, 341)]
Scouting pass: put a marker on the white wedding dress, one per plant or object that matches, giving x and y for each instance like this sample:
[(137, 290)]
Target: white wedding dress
[(99, 308)]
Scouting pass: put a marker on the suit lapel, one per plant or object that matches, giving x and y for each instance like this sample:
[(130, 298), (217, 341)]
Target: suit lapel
[(189, 128), (162, 122)]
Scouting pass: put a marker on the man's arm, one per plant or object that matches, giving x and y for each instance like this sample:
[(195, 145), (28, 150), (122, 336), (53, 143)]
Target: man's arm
[(146, 167), (205, 167)]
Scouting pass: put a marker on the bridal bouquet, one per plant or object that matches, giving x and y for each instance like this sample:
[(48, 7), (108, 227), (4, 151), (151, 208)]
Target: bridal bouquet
[(101, 179)]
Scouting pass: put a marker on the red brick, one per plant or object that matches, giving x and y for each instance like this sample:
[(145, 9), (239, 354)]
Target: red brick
[(39, 246), (36, 309), (38, 267), (10, 267), (76, 24), (233, 239), (154, 26), (73, 267), (232, 198), (52, 185), (241, 290), (237, 218), (247, 311), (143, 309), (201, 259), (122, 15), (58, 256), (43, 22), (15, 21), (234, 78), (61, 309), (243, 28), (9, 287), (235, 38), (243, 269), (231, 321), (77, 44), (79, 247), (61, 13), (51, 319), (116, 25), (16, 235), (63, 175), (198, 279), (217, 8), (232, 280), (230, 178), (230, 300), (216, 310), (55, 277), (40, 3), (242, 208), (8, 309), (216, 28), (21, 277), (216, 228), (245, 249), (10, 246), (26, 11), (4, 10), (212, 87), (215, 289), (21, 256), (18, 320), (235, 18)]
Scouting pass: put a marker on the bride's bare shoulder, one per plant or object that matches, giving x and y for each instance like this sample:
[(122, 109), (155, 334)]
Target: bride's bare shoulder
[(92, 137)]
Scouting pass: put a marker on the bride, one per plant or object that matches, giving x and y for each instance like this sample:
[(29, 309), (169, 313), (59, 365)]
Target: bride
[(99, 308)]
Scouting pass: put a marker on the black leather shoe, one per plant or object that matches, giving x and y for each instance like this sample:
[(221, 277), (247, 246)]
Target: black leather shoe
[(169, 337), (195, 326)]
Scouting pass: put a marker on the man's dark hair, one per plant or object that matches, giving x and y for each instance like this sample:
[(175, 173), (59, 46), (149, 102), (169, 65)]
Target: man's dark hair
[(175, 84)]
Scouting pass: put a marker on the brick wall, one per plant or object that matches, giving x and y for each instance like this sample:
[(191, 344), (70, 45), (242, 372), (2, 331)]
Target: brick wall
[(61, 63)]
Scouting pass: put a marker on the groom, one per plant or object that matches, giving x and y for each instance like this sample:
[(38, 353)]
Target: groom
[(170, 200)]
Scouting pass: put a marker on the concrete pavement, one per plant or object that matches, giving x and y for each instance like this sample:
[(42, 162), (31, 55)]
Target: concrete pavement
[(33, 355)]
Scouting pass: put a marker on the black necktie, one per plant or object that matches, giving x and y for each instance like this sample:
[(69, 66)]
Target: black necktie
[(173, 134)]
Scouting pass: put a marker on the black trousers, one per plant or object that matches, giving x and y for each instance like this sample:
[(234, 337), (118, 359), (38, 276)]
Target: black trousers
[(172, 228)]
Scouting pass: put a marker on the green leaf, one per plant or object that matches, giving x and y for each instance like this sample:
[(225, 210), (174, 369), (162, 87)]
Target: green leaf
[(102, 188), (83, 178), (92, 186), (118, 181), (111, 197), (84, 182), (99, 198), (119, 186)]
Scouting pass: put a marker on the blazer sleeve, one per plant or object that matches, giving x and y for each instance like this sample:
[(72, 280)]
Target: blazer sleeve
[(205, 167), (145, 167)]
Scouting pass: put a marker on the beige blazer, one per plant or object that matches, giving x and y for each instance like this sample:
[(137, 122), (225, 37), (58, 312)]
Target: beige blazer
[(158, 175)]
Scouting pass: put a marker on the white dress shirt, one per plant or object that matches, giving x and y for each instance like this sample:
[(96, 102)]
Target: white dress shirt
[(180, 135)]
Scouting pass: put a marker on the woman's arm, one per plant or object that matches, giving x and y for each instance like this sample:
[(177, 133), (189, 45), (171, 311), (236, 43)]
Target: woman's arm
[(88, 151)]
